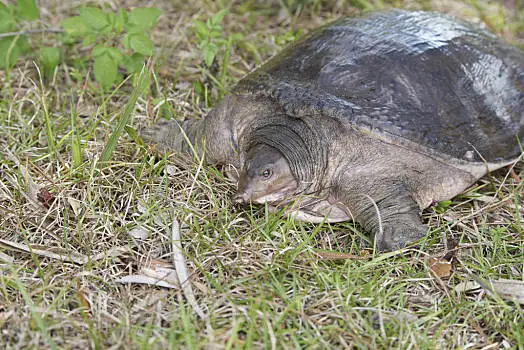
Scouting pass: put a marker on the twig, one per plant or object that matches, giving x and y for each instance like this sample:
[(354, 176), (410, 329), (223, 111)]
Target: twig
[(181, 269), (56, 253), (31, 31)]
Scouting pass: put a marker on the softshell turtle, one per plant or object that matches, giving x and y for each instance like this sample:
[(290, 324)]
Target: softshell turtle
[(371, 119)]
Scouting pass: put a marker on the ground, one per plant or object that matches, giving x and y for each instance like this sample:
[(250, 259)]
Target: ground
[(262, 280)]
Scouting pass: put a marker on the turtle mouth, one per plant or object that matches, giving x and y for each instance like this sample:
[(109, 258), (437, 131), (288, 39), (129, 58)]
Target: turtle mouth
[(275, 199), (282, 200)]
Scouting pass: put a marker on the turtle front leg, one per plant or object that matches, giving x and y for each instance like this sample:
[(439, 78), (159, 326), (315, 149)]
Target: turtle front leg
[(385, 208)]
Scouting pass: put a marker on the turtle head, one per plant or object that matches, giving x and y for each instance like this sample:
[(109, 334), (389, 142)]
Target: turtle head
[(265, 177)]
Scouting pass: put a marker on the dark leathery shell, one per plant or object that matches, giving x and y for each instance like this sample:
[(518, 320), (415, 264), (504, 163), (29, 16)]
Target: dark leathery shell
[(424, 78)]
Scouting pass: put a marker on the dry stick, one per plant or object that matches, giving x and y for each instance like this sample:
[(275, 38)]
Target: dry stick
[(31, 31), (507, 174), (61, 254), (459, 221), (57, 253), (181, 270)]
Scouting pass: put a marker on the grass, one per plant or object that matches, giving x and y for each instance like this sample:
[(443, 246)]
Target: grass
[(257, 274)]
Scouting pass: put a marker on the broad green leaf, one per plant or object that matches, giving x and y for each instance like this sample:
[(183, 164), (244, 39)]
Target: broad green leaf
[(27, 9), (126, 41), (49, 58), (442, 206), (98, 50), (94, 17), (7, 19), (115, 54), (237, 36), (10, 49), (111, 19), (133, 63), (201, 30), (120, 20), (218, 17), (142, 18), (133, 134), (76, 26), (90, 40), (203, 44), (141, 44), (209, 51), (105, 69), (119, 78)]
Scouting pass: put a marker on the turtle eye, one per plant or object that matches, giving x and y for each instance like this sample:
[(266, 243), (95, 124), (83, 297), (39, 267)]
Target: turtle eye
[(266, 173)]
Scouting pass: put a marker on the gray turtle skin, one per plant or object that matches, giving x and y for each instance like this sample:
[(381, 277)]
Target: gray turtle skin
[(370, 119)]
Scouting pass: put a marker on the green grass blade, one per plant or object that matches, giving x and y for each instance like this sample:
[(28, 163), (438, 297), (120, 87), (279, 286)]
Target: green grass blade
[(142, 84)]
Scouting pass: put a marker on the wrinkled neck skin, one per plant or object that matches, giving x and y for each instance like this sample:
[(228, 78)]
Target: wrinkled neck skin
[(301, 141), (241, 123)]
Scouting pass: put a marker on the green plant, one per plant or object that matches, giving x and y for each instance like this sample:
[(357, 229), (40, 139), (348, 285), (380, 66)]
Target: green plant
[(210, 36), (104, 31), (442, 206), (114, 40), (14, 44), (212, 39)]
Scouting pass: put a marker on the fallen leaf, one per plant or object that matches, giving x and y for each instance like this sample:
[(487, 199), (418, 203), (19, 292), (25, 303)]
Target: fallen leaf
[(82, 299), (172, 170), (112, 252), (139, 232), (508, 289), (156, 275), (439, 267), (512, 290), (76, 205), (45, 198), (467, 286)]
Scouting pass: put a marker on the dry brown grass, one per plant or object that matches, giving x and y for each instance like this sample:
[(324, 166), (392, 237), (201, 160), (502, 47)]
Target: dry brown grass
[(256, 274)]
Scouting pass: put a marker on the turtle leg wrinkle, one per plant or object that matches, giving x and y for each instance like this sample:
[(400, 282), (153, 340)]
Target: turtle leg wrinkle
[(386, 210), (211, 137)]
